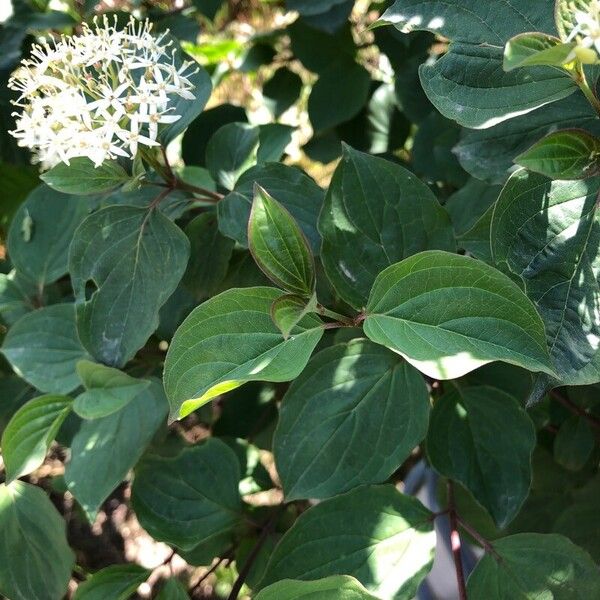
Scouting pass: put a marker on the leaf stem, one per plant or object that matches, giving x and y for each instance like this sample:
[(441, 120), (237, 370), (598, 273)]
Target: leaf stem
[(581, 80), (485, 544), (266, 531), (325, 312), (455, 543)]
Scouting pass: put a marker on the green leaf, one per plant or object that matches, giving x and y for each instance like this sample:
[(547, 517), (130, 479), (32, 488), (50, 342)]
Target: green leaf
[(16, 295), (350, 397), (273, 139), (41, 231), (467, 442), (489, 153), (567, 154), (312, 7), (279, 247), (210, 253), (375, 534), (287, 311), (530, 49), (173, 589), (192, 496), (336, 587), (104, 450), (295, 190), (35, 558), (347, 82), (469, 86), (82, 177), (133, 259), (471, 20), (281, 91), (15, 392), (449, 314), (230, 340), (375, 214), (231, 151), (30, 432), (532, 565), (44, 349), (547, 233), (107, 390), (117, 582), (574, 443)]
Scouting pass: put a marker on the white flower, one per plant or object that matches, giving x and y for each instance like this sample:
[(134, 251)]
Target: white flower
[(587, 28), (100, 94)]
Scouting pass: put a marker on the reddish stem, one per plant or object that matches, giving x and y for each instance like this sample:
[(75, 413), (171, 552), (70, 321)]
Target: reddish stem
[(455, 543)]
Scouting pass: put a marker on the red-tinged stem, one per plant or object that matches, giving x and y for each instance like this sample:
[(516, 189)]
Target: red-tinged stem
[(455, 543), (574, 408)]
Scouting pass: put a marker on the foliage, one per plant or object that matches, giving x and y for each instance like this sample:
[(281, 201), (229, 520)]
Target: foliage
[(368, 265)]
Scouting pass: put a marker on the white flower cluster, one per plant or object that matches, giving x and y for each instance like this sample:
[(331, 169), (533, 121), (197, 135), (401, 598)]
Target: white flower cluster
[(587, 32), (99, 94)]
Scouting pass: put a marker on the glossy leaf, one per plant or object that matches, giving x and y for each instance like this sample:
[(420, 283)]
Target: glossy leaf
[(574, 443), (104, 450), (531, 565), (173, 589), (230, 340), (350, 397), (190, 497), (281, 91), (375, 214), (567, 154), (375, 534), (32, 530), (295, 190), (336, 587), (467, 442), (29, 433), (133, 259), (41, 231), (107, 390), (44, 349), (449, 314), (117, 582), (82, 177), (547, 233), (279, 247)]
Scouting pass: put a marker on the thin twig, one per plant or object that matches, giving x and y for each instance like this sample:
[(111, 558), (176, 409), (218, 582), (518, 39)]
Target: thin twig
[(574, 408), (226, 557), (266, 531), (478, 538), (455, 543)]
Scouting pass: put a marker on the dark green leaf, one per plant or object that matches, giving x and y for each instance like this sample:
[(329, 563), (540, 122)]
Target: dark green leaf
[(281, 91), (531, 565), (30, 432), (107, 390), (467, 442), (350, 397), (547, 232), (16, 295), (295, 190), (41, 231), (311, 7), (117, 582), (567, 154), (489, 153), (82, 177), (347, 77), (574, 443), (173, 589), (449, 314), (230, 152), (336, 587), (132, 259), (210, 253), (189, 497), (273, 139), (44, 349), (104, 450), (384, 539), (279, 246), (230, 340), (375, 214), (35, 559)]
